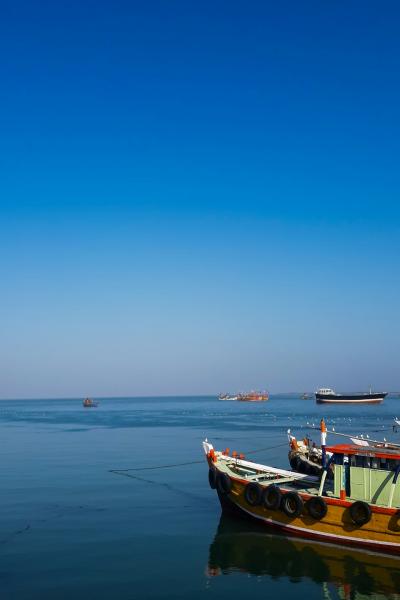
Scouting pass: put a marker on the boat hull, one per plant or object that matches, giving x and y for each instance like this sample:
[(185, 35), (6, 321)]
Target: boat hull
[(381, 534), (256, 399), (350, 398)]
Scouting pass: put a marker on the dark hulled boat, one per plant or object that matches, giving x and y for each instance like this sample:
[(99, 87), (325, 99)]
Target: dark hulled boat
[(328, 396)]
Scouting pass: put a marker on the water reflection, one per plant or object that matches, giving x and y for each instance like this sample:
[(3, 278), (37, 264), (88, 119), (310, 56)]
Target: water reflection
[(241, 546)]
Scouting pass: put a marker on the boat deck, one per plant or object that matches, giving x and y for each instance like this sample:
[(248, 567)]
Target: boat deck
[(287, 480)]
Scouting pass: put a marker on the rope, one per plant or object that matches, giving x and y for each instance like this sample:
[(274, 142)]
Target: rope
[(267, 448), (192, 462), (184, 464)]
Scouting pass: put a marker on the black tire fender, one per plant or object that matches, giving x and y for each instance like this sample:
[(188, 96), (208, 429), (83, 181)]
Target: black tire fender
[(271, 497), (295, 462), (292, 505), (224, 483), (253, 494), (360, 513), (212, 478), (317, 508)]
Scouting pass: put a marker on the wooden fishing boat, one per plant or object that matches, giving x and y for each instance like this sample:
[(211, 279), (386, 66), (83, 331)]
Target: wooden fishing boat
[(89, 403), (358, 507), (253, 397), (305, 457)]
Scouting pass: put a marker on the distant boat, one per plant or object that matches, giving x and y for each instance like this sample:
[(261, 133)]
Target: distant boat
[(328, 396), (227, 397), (254, 397), (305, 396), (90, 403)]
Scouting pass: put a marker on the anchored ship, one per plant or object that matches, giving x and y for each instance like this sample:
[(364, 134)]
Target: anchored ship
[(253, 397), (359, 506), (328, 396)]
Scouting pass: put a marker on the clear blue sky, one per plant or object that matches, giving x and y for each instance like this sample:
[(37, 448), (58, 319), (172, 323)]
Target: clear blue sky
[(198, 196)]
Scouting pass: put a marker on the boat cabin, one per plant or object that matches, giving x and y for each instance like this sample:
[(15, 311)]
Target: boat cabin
[(366, 473), (325, 392)]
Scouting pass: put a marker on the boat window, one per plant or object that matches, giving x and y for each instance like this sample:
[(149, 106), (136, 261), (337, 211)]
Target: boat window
[(375, 462), (338, 459), (359, 461), (392, 463), (367, 463)]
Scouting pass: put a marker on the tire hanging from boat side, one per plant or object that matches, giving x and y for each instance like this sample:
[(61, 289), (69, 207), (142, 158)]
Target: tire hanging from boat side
[(212, 478), (292, 504), (360, 513), (271, 497), (295, 462), (317, 508), (224, 483), (253, 494)]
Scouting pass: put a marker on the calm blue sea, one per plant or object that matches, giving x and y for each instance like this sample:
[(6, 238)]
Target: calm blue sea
[(70, 527)]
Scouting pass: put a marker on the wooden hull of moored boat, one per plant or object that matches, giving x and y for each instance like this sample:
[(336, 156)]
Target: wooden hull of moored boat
[(258, 399), (381, 534)]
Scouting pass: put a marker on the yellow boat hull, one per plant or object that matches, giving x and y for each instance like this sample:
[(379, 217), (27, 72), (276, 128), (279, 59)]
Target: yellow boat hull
[(381, 533)]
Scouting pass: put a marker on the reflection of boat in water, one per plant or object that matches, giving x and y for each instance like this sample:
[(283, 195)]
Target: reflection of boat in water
[(244, 546), (90, 403)]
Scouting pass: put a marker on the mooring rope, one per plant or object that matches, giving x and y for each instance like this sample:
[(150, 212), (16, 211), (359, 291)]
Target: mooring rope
[(192, 462), (267, 448), (184, 464)]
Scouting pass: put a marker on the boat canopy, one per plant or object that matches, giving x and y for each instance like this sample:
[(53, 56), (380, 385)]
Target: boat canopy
[(368, 451)]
